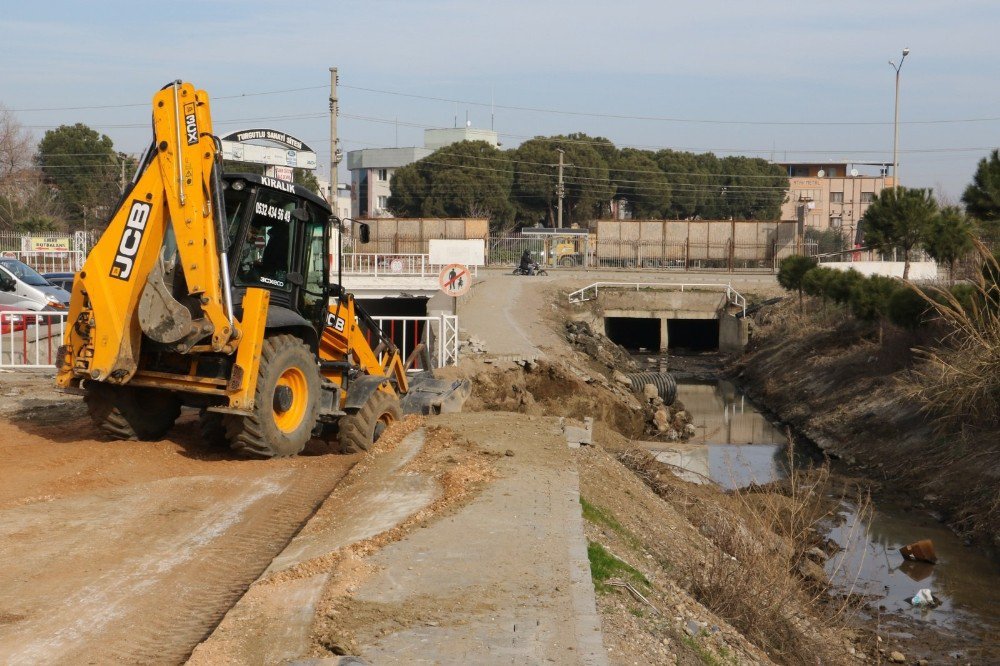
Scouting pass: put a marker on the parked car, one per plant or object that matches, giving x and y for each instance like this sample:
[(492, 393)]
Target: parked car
[(24, 289), (61, 280), (11, 323)]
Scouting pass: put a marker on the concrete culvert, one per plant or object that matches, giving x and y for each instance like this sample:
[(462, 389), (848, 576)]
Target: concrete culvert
[(664, 382)]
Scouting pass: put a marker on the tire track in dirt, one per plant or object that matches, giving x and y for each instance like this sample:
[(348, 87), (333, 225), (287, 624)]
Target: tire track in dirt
[(133, 552)]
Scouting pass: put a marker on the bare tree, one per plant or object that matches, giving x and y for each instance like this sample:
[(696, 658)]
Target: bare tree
[(26, 202)]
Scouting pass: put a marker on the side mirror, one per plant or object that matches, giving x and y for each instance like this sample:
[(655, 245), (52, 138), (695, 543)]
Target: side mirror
[(364, 233), (6, 284)]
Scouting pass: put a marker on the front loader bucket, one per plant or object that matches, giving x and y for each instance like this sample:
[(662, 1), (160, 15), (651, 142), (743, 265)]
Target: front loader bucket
[(428, 395)]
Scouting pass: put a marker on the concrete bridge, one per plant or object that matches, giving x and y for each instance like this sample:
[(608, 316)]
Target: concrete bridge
[(657, 317)]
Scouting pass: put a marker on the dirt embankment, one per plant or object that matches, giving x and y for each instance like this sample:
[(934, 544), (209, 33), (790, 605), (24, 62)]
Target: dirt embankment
[(845, 385)]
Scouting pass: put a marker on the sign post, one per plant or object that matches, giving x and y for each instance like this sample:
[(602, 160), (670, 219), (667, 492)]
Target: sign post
[(455, 281)]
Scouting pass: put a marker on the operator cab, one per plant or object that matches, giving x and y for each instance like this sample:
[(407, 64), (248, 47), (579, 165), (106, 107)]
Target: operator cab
[(278, 239)]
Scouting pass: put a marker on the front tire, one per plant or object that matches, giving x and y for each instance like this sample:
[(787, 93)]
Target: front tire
[(132, 413), (360, 429), (286, 402)]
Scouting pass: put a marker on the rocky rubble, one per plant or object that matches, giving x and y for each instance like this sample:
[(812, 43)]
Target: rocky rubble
[(669, 422), (599, 347)]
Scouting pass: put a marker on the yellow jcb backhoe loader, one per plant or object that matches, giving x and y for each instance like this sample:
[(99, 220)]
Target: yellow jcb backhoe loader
[(213, 291)]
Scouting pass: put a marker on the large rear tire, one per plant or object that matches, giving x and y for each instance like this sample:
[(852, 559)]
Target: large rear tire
[(360, 429), (286, 402), (132, 413)]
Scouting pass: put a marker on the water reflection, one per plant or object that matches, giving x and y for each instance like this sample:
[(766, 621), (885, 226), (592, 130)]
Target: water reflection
[(736, 445), (965, 580)]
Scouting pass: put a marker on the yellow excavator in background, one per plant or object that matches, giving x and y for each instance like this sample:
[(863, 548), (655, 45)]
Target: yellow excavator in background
[(213, 291)]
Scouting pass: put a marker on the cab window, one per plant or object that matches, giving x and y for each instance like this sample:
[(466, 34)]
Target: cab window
[(266, 256)]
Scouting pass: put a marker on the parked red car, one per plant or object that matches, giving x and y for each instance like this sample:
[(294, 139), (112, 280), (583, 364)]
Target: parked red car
[(10, 323)]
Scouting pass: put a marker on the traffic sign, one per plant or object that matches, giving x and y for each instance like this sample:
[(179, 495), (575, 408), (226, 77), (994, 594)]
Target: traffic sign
[(455, 280)]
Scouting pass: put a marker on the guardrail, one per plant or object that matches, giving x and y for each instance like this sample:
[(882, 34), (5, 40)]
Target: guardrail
[(439, 335), (391, 265), (30, 339), (49, 261), (589, 292)]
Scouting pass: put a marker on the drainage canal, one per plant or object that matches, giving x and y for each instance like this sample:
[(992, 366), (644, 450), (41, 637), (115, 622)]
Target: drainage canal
[(634, 333), (737, 445), (693, 334)]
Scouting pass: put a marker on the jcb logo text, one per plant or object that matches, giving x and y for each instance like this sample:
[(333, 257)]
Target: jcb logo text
[(128, 246)]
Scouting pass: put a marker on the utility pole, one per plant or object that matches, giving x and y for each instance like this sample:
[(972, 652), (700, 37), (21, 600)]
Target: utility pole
[(335, 153), (560, 190), (895, 122)]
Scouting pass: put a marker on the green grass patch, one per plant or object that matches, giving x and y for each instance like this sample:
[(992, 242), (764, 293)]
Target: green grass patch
[(599, 516), (704, 654), (604, 566)]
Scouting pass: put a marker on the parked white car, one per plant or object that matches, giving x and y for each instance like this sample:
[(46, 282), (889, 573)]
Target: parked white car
[(24, 289)]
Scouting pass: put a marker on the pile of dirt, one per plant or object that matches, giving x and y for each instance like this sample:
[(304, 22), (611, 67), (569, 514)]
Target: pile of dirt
[(844, 384)]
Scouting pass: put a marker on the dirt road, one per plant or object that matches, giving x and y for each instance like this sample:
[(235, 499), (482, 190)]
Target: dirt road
[(132, 551)]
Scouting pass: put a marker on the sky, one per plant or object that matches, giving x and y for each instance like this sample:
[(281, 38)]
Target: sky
[(788, 81)]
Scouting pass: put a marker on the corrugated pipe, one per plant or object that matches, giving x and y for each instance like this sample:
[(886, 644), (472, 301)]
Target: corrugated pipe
[(665, 385)]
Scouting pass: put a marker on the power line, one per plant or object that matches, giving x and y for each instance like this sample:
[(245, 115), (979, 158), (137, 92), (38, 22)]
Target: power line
[(146, 104), (593, 114)]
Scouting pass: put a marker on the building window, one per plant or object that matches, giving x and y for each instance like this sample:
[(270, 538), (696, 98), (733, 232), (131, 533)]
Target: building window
[(867, 197), (832, 172), (836, 222), (837, 197), (383, 202), (382, 175)]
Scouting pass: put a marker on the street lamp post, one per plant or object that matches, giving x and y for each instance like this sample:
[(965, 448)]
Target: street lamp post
[(895, 122)]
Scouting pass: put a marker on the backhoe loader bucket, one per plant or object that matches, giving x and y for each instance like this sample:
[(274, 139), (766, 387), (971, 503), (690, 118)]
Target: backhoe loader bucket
[(429, 395)]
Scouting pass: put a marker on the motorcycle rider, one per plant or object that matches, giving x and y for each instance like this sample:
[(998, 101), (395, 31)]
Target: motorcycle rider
[(526, 262)]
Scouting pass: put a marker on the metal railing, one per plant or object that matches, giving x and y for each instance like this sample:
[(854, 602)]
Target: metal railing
[(49, 261), (30, 339), (589, 292), (438, 334), (390, 265)]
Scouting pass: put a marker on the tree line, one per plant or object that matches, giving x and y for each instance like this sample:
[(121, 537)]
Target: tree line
[(519, 186), (72, 179)]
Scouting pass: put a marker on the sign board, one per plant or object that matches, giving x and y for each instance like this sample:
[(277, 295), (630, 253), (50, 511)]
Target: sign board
[(282, 173), (467, 252), (285, 149), (396, 265), (48, 244), (455, 280)]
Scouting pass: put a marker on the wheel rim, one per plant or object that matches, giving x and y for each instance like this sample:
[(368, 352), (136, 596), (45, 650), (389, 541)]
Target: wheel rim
[(288, 420)]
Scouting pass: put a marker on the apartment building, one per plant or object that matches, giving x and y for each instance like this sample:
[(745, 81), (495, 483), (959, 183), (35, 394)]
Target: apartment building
[(371, 169), (824, 195)]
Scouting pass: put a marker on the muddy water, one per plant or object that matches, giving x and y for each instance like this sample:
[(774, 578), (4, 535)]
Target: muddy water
[(736, 445)]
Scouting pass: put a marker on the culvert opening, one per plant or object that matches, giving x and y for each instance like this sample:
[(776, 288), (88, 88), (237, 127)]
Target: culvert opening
[(693, 334), (634, 333)]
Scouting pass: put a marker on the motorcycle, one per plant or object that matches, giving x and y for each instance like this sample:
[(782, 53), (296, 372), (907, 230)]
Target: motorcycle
[(533, 269)]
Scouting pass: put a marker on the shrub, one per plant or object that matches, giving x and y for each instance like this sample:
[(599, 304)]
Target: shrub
[(840, 285), (908, 309), (870, 298), (816, 281), (792, 270)]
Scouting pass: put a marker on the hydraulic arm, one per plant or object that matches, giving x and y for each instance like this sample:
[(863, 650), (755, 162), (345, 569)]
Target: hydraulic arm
[(170, 222)]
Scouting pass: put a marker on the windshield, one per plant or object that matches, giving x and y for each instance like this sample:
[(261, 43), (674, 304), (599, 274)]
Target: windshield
[(266, 255), (24, 272)]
